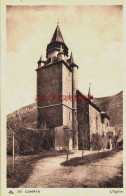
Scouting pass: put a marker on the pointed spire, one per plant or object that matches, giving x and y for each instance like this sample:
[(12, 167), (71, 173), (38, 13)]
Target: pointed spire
[(72, 63), (58, 21), (57, 36), (71, 59), (89, 92), (40, 58), (40, 61)]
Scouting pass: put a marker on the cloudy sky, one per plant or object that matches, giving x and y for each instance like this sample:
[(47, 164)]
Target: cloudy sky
[(93, 33)]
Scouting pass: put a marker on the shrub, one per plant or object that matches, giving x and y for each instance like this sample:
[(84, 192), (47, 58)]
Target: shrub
[(28, 141), (98, 141)]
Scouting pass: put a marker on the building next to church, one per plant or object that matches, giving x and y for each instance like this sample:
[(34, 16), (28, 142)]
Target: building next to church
[(61, 106)]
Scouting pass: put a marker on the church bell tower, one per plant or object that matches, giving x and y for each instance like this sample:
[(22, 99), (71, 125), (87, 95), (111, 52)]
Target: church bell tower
[(56, 84)]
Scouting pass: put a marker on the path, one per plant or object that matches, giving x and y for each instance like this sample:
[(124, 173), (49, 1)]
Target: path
[(48, 173)]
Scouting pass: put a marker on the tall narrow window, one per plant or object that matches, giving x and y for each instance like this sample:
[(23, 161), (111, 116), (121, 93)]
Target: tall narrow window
[(96, 123)]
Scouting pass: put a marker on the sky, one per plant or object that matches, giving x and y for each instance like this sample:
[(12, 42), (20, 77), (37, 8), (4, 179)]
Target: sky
[(94, 34)]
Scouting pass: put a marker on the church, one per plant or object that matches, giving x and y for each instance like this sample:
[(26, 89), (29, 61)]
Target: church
[(60, 104)]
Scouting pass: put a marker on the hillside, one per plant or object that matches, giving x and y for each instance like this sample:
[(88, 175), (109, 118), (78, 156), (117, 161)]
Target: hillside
[(112, 105), (27, 116)]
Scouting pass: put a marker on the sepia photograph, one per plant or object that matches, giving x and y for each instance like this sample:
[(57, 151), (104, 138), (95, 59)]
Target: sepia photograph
[(64, 96)]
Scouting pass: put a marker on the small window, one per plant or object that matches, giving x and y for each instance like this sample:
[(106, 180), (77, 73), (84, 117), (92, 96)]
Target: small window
[(107, 124)]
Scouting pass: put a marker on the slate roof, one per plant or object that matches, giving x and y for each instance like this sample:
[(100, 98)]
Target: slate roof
[(94, 106), (57, 36)]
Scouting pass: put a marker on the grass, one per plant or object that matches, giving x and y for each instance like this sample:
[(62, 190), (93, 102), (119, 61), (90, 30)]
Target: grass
[(88, 158), (116, 182), (24, 166)]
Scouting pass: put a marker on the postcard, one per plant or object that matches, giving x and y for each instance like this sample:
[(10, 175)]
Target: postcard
[(62, 97)]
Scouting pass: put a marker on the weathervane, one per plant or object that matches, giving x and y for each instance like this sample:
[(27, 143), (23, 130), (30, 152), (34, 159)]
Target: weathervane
[(58, 21)]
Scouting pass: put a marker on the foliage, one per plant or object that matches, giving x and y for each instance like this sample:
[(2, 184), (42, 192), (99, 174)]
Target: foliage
[(84, 138), (116, 137), (28, 141), (98, 141), (10, 145), (48, 139)]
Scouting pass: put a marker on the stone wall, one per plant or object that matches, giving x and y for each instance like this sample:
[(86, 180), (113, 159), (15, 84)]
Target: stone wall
[(66, 85), (67, 116), (106, 123), (51, 116), (95, 120), (49, 83), (63, 138), (67, 91), (49, 86), (83, 124)]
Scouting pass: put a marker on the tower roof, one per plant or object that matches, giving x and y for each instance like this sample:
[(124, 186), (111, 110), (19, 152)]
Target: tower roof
[(57, 36), (72, 59), (72, 63), (89, 92), (40, 60)]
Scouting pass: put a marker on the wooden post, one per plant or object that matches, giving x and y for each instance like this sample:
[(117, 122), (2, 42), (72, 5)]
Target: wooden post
[(83, 148), (59, 142), (13, 155), (68, 150), (12, 132)]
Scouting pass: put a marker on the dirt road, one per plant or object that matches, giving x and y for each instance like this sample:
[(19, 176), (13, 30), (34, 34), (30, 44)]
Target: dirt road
[(48, 173)]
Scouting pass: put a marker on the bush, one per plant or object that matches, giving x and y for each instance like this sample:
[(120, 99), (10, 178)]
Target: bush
[(28, 141), (98, 141)]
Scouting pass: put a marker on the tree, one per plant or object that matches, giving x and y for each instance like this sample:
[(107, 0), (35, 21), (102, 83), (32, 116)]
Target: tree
[(96, 141), (104, 141), (48, 138), (13, 124), (82, 135)]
